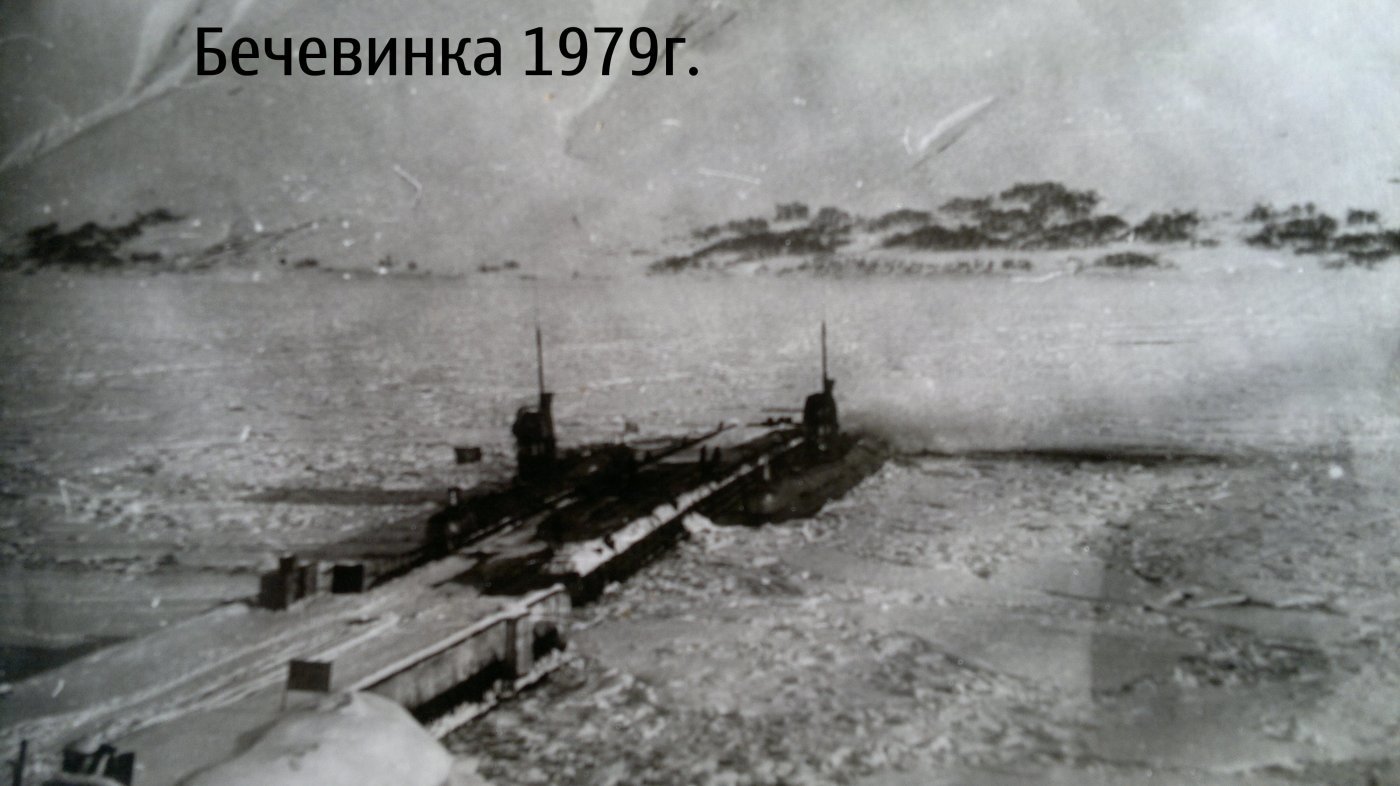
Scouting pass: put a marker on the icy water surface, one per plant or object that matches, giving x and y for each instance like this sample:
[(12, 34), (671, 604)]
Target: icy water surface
[(958, 614), (996, 621), (101, 369)]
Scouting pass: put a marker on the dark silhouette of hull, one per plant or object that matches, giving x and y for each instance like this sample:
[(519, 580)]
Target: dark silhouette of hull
[(597, 513)]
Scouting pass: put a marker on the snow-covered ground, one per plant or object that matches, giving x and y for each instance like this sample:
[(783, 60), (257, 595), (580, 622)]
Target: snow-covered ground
[(994, 619)]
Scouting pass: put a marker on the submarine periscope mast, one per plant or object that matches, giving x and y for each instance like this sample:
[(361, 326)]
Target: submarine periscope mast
[(535, 448)]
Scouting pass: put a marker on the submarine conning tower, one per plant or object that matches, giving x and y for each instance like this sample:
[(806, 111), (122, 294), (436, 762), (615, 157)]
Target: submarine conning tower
[(535, 447), (820, 421)]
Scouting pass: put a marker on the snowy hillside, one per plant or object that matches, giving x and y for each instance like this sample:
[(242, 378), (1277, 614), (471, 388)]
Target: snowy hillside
[(870, 106)]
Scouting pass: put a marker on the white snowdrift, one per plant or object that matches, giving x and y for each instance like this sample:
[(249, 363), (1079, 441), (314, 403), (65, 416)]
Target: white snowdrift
[(355, 738)]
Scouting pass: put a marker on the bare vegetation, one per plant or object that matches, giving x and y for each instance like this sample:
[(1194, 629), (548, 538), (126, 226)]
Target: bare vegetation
[(1306, 230), (1046, 216), (90, 245), (1128, 260)]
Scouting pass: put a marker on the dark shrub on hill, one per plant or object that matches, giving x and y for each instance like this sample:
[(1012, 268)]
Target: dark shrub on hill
[(938, 238), (803, 240), (1355, 241), (1078, 234), (90, 245), (1368, 247), (1174, 227), (1027, 215), (1357, 217), (760, 245), (1051, 201), (672, 265), (1009, 224), (1306, 230), (1128, 261), (832, 218), (966, 206), (1310, 233), (739, 226), (1259, 213), (1030, 215), (901, 217), (791, 211), (1263, 212), (747, 226)]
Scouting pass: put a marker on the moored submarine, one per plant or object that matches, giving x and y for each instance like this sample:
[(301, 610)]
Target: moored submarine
[(590, 514), (630, 507)]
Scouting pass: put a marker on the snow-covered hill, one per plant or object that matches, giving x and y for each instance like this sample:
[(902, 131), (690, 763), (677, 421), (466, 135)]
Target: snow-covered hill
[(871, 106)]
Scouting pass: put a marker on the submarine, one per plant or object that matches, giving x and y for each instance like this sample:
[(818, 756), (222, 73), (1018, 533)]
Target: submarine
[(594, 513), (616, 508)]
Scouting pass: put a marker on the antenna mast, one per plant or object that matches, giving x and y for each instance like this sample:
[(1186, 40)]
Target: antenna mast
[(539, 358), (824, 376)]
